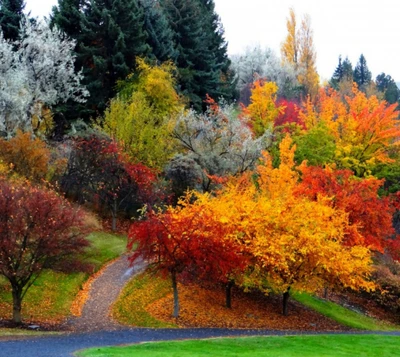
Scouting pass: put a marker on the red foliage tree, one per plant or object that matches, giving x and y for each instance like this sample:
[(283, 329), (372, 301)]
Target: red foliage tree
[(98, 169), (38, 229), (370, 216), (290, 114), (185, 241)]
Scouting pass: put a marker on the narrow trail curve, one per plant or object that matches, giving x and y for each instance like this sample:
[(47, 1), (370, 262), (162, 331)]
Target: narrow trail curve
[(104, 291)]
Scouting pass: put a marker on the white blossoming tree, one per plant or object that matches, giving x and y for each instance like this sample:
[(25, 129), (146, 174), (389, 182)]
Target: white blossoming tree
[(36, 71)]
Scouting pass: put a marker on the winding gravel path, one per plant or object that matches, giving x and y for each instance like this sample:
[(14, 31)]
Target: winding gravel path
[(104, 291)]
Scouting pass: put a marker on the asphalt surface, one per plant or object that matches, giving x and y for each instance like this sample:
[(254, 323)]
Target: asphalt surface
[(66, 345)]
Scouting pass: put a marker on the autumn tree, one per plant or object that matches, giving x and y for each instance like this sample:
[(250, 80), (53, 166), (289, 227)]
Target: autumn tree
[(262, 110), (370, 216), (26, 156), (185, 240), (98, 172), (38, 229), (298, 50), (364, 129), (142, 116)]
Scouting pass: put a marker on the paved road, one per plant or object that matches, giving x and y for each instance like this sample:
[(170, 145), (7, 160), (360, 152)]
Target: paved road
[(66, 345)]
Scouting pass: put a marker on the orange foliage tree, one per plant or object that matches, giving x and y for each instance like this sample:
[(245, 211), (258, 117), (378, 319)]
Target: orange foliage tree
[(365, 129), (370, 216), (26, 156)]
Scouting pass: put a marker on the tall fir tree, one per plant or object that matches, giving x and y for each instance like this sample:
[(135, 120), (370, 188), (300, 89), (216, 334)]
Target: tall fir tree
[(386, 84), (160, 34), (11, 13), (347, 70), (110, 35), (337, 75), (362, 75), (197, 34)]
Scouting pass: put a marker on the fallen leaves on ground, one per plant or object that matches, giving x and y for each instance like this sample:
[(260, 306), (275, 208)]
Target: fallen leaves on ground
[(201, 307)]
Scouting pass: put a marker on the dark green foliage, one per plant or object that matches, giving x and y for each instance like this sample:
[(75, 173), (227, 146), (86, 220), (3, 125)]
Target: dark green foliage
[(388, 86), (343, 72), (110, 34), (337, 75), (362, 75), (160, 34), (347, 70), (202, 62), (11, 12)]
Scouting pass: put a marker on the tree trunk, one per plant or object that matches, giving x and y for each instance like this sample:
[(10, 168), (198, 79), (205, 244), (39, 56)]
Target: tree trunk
[(176, 297), (17, 303), (114, 216), (286, 295), (325, 292), (228, 294)]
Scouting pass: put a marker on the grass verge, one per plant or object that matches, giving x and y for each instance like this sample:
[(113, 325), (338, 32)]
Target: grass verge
[(50, 297), (130, 308), (342, 315), (287, 346)]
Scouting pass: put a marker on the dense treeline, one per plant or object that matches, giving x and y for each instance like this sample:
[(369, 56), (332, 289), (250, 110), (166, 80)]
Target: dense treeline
[(261, 194)]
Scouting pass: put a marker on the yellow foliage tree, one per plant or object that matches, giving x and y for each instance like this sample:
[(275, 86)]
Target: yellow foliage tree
[(298, 50), (293, 242), (142, 117), (262, 109)]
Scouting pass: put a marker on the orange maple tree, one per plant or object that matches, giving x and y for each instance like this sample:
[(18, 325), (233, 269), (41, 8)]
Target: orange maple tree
[(365, 129), (370, 216)]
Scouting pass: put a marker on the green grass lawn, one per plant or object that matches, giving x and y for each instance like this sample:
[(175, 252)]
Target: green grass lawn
[(287, 346), (342, 315), (50, 297), (141, 291)]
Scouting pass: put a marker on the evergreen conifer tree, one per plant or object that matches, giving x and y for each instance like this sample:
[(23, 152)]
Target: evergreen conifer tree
[(362, 75), (11, 12), (337, 75), (160, 34), (110, 35)]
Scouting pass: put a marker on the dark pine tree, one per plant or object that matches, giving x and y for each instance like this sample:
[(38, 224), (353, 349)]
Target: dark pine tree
[(11, 12), (337, 75), (362, 75), (347, 70), (387, 85), (200, 68), (219, 46), (110, 35), (160, 34)]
